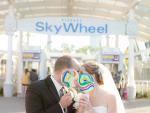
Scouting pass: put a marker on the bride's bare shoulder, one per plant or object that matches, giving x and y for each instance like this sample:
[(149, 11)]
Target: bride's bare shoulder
[(107, 94), (102, 88), (111, 98)]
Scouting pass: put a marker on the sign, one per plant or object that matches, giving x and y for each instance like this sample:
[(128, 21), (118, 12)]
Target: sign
[(110, 55), (108, 58), (30, 56), (72, 26)]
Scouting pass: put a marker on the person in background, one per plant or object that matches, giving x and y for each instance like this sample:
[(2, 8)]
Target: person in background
[(113, 75), (124, 87), (33, 75), (117, 80), (48, 70), (25, 80)]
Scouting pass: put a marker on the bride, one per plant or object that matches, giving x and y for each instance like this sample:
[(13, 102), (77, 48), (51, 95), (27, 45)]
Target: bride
[(104, 97)]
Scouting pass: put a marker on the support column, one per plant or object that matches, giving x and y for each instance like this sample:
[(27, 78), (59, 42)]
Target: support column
[(49, 41), (27, 41), (117, 41), (20, 65), (120, 65), (10, 28), (43, 67), (107, 41), (100, 51), (131, 32), (8, 84), (131, 81)]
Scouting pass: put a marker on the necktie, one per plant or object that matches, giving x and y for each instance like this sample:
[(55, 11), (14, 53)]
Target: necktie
[(61, 93)]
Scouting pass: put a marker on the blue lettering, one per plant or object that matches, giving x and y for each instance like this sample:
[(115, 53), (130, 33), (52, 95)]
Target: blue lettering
[(57, 28), (48, 27), (70, 26), (39, 26), (106, 28), (83, 28), (44, 26), (102, 29), (91, 29)]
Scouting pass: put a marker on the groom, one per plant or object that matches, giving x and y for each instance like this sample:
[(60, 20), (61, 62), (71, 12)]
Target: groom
[(44, 96)]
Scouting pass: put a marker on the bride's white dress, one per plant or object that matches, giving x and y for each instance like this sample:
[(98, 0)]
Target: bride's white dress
[(99, 109)]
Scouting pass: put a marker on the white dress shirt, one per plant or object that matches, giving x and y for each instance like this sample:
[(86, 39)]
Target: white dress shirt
[(58, 87)]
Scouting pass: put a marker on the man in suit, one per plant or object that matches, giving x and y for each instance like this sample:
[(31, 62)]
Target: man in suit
[(44, 97)]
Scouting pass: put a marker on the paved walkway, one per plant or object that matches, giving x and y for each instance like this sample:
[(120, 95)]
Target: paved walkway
[(12, 105), (138, 106), (16, 105)]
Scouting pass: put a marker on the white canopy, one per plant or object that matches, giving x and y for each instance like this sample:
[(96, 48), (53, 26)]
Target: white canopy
[(103, 9)]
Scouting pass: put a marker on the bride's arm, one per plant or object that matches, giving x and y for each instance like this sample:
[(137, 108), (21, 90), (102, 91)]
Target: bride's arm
[(112, 106), (85, 106)]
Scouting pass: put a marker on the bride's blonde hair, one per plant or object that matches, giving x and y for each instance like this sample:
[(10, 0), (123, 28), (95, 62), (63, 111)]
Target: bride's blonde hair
[(94, 69)]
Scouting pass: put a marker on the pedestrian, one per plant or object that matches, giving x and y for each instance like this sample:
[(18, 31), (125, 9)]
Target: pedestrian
[(25, 80)]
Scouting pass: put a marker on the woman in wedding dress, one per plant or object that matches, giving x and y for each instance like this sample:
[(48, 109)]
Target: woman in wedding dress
[(104, 98)]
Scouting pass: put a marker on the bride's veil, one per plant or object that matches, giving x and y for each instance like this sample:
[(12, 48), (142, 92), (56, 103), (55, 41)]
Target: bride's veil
[(111, 87)]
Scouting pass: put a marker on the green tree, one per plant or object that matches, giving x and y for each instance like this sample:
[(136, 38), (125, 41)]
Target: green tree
[(87, 50), (68, 48)]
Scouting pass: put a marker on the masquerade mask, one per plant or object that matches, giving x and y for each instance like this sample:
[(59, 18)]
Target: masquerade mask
[(83, 81), (68, 78)]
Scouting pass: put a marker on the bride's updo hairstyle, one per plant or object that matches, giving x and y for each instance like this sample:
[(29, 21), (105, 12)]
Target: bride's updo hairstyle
[(94, 69)]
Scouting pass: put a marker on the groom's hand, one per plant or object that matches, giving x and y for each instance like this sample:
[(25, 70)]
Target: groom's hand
[(65, 100)]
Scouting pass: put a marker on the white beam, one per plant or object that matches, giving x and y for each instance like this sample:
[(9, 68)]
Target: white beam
[(145, 3), (132, 5), (26, 4), (97, 13), (2, 16), (55, 3), (143, 36), (70, 5), (74, 11), (45, 11), (142, 13), (45, 15), (144, 29), (101, 5), (144, 33), (95, 16), (145, 23)]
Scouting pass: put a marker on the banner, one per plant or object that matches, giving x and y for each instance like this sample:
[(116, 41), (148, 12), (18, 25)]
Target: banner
[(74, 26)]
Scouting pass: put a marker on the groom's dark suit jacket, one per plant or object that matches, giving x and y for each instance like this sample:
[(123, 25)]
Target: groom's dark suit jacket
[(42, 97)]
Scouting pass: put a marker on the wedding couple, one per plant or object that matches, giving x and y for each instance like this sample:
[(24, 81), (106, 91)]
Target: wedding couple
[(44, 96)]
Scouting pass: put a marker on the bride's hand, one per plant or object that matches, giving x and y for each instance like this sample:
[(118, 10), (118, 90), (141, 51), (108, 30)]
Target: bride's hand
[(84, 104)]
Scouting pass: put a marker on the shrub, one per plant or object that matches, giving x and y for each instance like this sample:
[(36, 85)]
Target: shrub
[(1, 91), (140, 95), (145, 95)]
